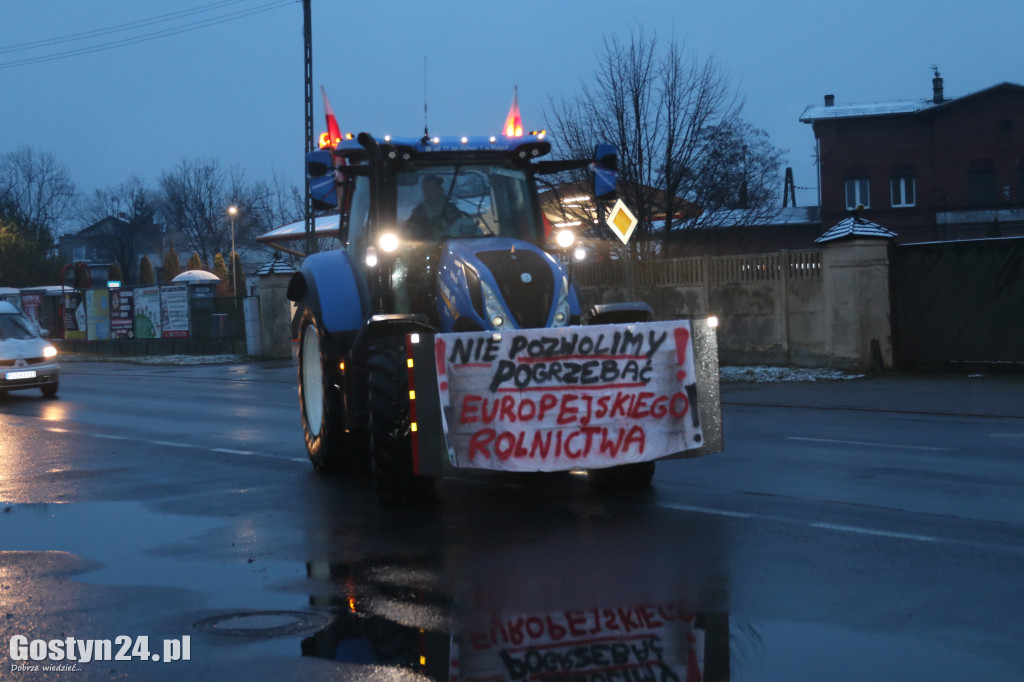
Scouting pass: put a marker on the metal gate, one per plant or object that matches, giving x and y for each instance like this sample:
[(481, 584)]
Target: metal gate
[(959, 303)]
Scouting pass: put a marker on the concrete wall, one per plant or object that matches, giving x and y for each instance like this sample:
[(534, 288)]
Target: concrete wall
[(275, 316), (817, 308)]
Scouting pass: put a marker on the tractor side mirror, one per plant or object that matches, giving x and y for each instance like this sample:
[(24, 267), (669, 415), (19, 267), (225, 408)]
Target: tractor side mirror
[(320, 172), (606, 171)]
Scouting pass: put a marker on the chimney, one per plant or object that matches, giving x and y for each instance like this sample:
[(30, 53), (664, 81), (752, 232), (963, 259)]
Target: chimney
[(937, 97), (830, 100)]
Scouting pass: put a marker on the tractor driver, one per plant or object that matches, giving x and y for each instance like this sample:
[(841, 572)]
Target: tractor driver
[(433, 218)]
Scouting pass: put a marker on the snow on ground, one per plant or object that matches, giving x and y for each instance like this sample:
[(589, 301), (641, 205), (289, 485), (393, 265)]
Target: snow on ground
[(762, 374), (751, 374), (161, 359)]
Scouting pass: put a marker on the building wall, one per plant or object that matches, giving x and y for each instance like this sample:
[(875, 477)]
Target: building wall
[(827, 307), (941, 145), (770, 306)]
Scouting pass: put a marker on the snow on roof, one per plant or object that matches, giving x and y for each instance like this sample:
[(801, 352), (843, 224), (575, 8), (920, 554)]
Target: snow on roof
[(819, 111), (323, 226), (275, 267), (816, 112), (739, 217), (196, 276), (854, 227)]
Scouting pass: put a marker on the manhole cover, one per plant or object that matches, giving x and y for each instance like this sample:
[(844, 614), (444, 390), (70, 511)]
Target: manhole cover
[(264, 623)]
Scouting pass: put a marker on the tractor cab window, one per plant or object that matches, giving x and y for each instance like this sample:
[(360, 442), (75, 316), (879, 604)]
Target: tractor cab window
[(458, 201), (357, 213)]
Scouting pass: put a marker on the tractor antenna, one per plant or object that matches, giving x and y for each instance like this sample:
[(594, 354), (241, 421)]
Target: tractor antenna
[(426, 133)]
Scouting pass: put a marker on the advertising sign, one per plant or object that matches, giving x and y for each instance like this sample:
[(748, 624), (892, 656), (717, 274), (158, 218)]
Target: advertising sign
[(147, 313), (122, 322), (31, 305), (554, 399), (174, 312), (74, 315), (97, 307)]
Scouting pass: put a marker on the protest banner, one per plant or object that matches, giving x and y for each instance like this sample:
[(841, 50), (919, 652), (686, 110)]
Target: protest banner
[(551, 399)]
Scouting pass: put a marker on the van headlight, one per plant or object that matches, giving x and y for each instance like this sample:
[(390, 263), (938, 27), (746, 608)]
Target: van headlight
[(49, 352)]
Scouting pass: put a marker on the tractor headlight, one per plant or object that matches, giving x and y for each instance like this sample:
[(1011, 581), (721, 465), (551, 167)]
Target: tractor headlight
[(561, 318), (565, 238), (371, 257), (496, 313), (388, 242)]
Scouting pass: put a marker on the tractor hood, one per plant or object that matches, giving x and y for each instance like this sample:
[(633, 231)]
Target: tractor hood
[(496, 283)]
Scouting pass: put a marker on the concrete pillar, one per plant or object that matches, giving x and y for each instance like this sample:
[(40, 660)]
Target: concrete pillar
[(275, 316), (855, 274)]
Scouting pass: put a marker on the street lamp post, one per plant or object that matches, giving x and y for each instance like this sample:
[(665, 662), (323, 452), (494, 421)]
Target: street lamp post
[(232, 212)]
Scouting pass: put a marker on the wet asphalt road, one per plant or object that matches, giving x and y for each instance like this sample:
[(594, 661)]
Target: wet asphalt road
[(871, 529)]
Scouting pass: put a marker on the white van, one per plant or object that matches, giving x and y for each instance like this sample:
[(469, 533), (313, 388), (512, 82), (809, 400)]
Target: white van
[(26, 359)]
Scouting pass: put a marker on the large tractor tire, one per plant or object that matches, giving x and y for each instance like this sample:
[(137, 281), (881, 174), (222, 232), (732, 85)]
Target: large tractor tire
[(391, 454), (331, 449), (625, 477)]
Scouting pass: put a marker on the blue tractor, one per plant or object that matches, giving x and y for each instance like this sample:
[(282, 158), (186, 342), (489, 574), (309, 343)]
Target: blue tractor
[(441, 235)]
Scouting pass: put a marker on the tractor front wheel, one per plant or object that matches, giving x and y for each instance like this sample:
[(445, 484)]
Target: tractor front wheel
[(331, 449), (391, 453)]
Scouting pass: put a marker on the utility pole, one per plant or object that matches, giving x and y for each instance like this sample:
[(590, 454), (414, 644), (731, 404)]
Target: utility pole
[(789, 190), (307, 36)]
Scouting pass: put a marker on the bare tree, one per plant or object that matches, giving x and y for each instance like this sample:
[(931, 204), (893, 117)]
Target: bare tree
[(36, 194), (194, 199), (686, 156), (36, 187)]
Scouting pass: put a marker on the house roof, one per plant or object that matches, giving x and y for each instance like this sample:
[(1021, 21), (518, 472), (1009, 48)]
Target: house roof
[(790, 215), (323, 226), (820, 112), (275, 266), (853, 228), (576, 195)]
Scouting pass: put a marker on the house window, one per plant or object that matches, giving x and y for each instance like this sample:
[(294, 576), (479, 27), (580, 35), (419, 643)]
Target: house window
[(981, 187), (857, 193), (903, 189)]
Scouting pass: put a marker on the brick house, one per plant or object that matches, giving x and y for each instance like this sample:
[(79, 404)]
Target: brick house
[(931, 169), (100, 242)]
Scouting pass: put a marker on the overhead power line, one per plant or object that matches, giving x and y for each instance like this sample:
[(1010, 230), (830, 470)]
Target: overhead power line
[(20, 47), (134, 25)]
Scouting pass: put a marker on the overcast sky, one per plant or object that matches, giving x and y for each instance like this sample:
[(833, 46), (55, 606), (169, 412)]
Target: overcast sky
[(233, 90)]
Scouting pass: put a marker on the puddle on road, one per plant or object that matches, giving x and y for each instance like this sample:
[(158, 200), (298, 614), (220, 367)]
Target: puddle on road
[(381, 622), (140, 547), (396, 614), (806, 651), (391, 615)]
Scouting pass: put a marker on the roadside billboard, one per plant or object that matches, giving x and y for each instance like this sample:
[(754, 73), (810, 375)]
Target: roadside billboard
[(97, 314), (122, 322), (174, 312), (147, 313)]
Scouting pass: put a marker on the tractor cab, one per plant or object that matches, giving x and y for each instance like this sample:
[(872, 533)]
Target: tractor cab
[(404, 201)]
